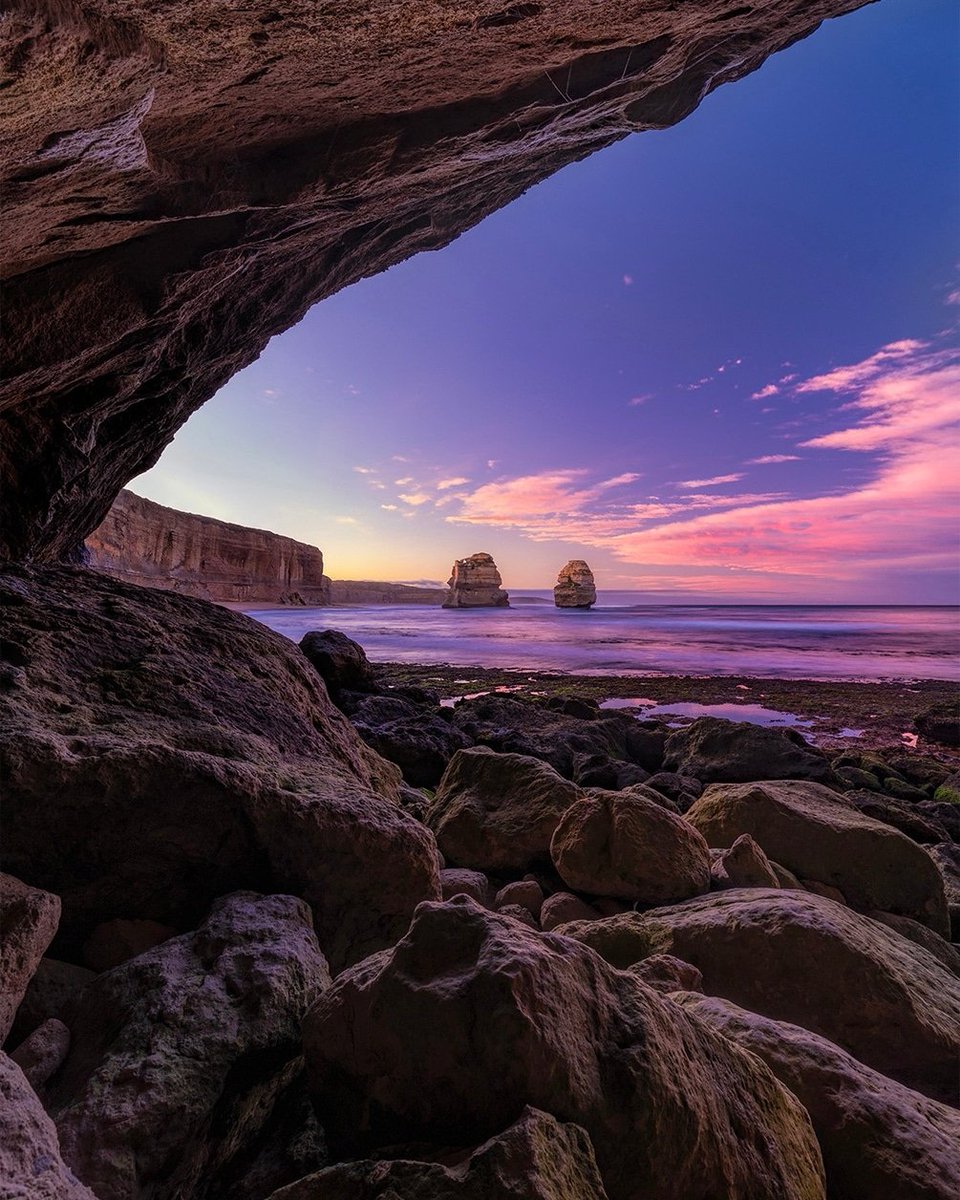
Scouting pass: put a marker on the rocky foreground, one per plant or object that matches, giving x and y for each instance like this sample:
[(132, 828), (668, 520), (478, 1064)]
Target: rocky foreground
[(274, 929)]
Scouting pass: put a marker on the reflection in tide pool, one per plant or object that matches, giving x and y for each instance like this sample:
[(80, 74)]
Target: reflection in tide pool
[(756, 714), (620, 636)]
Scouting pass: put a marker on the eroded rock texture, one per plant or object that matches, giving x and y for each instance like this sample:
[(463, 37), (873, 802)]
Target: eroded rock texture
[(575, 586), (189, 751), (155, 546), (182, 181), (475, 583)]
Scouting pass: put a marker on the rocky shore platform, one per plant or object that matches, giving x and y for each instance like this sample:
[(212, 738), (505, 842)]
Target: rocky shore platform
[(279, 924)]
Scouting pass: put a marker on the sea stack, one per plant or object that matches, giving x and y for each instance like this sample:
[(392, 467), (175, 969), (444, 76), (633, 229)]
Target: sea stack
[(575, 586), (475, 583)]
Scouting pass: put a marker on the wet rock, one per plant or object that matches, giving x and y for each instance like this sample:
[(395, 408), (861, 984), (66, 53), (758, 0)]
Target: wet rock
[(562, 907), (190, 751), (814, 833), (718, 751), (470, 1017), (52, 992), (341, 662), (497, 812), (28, 921), (575, 586), (113, 942), (537, 1158), (30, 1164), (624, 845), (525, 892), (174, 1041), (796, 957), (519, 726), (43, 1053), (940, 723), (743, 865), (668, 974), (475, 583), (585, 707), (459, 881), (880, 1140)]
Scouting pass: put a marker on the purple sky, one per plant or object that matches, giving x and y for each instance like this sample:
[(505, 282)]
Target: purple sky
[(719, 362)]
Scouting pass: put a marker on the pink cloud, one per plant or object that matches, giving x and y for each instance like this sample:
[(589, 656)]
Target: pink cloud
[(764, 393), (457, 481), (415, 498), (716, 481), (765, 459)]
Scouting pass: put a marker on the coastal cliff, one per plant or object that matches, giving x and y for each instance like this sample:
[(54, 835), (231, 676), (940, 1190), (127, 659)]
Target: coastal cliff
[(146, 543)]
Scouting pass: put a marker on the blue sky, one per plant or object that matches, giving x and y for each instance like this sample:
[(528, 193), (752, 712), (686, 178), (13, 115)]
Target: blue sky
[(600, 369)]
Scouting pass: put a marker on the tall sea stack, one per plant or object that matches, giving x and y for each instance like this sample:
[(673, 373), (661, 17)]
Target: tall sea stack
[(575, 586), (475, 583)]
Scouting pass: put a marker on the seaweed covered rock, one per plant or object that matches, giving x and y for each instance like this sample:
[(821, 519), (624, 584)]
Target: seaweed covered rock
[(813, 832), (470, 1017)]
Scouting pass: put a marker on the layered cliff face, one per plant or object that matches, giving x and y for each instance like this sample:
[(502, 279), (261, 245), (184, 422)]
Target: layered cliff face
[(475, 583), (146, 543), (575, 586), (183, 180)]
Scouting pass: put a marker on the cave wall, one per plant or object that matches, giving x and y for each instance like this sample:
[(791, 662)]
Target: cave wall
[(149, 544), (183, 180)]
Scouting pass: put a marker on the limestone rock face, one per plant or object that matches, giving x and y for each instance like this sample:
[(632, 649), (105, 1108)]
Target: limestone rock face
[(880, 1140), (811, 831), (31, 1167), (190, 751), (475, 583), (472, 1016), (575, 586), (537, 1158), (28, 921), (797, 957), (170, 1042), (180, 184), (155, 546)]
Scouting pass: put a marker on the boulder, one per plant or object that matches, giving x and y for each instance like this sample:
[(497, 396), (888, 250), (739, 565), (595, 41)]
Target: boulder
[(575, 586), (800, 958), (497, 812), (942, 950), (475, 583), (948, 790), (625, 845), (525, 892), (905, 816), (681, 789), (811, 831), (599, 770), (668, 974), (513, 725), (946, 856), (28, 922), (31, 1167), (880, 1140), (420, 743), (182, 1039), (113, 942), (940, 723), (470, 1017), (562, 907), (341, 662), (537, 1158), (190, 751), (718, 751), (459, 881), (743, 865), (43, 1053)]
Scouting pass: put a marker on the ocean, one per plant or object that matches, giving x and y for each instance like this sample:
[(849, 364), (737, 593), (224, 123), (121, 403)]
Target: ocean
[(621, 636)]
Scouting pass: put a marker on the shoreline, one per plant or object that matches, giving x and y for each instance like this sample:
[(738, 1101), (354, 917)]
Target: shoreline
[(883, 711)]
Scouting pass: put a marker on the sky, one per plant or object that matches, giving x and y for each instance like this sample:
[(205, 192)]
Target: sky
[(720, 362)]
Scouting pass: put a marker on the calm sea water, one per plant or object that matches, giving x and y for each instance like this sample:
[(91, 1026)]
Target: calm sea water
[(621, 636)]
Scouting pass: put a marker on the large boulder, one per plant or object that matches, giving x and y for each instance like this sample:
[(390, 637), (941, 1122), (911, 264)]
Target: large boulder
[(940, 723), (513, 725), (743, 864), (575, 587), (189, 751), (498, 812), (420, 742), (880, 1140), (801, 958), (28, 922), (626, 845), (183, 1039), (717, 751), (811, 831), (471, 1016), (341, 662), (31, 1167), (475, 583), (537, 1158)]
